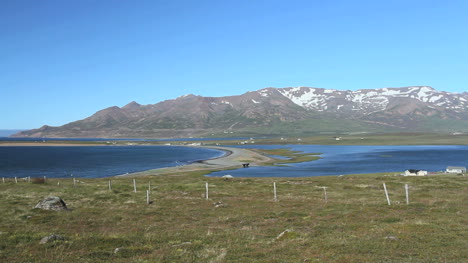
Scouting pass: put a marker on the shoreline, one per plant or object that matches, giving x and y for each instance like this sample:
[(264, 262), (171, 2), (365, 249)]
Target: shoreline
[(232, 159)]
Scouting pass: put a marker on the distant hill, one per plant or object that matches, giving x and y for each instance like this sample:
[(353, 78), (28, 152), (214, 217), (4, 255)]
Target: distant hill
[(277, 111)]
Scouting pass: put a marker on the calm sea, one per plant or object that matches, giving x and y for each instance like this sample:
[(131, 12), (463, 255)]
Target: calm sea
[(340, 160), (105, 161), (94, 161)]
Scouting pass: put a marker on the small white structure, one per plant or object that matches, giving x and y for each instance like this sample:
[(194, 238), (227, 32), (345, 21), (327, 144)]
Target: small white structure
[(456, 169), (413, 172)]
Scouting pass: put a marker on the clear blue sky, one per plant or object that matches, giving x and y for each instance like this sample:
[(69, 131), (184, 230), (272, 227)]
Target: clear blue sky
[(61, 61)]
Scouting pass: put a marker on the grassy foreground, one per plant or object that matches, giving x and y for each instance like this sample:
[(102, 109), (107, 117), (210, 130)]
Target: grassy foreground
[(240, 222)]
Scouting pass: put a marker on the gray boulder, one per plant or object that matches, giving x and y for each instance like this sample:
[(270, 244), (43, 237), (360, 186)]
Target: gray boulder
[(51, 238), (52, 203)]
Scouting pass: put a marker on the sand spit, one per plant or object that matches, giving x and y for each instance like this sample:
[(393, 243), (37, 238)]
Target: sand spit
[(233, 159)]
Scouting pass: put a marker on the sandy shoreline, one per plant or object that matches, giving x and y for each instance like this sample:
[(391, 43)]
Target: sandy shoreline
[(233, 159)]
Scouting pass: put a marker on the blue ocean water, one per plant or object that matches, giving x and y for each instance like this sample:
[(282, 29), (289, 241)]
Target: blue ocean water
[(94, 161), (341, 160), (105, 161)]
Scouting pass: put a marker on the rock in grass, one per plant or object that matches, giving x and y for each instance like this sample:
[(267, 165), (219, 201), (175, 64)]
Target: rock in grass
[(219, 204), (52, 203), (51, 238), (227, 177)]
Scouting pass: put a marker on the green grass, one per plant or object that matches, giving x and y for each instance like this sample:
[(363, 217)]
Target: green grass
[(323, 139), (318, 125), (374, 139), (289, 155), (354, 225), (348, 139)]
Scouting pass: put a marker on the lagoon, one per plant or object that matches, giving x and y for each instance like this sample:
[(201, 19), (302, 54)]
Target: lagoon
[(94, 161), (350, 159)]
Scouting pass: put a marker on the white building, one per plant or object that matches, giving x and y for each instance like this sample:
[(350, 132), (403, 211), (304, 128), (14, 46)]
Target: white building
[(456, 169), (413, 172)]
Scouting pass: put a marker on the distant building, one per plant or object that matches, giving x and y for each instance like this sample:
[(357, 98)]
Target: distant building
[(456, 169), (414, 172)]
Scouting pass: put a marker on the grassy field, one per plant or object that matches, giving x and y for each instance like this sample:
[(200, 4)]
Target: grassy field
[(344, 139), (369, 139), (289, 156), (323, 139), (240, 222)]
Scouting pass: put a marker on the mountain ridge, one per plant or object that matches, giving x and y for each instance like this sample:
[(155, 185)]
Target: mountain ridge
[(266, 111)]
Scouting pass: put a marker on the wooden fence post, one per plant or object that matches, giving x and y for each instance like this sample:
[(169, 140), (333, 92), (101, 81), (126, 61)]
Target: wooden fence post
[(274, 192), (147, 197), (325, 193), (407, 194), (134, 185), (16, 180), (206, 191), (386, 193), (110, 185)]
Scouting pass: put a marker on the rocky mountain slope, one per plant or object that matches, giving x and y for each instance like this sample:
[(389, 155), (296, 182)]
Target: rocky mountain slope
[(273, 111)]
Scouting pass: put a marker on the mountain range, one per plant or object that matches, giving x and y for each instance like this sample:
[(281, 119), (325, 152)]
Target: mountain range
[(276, 112)]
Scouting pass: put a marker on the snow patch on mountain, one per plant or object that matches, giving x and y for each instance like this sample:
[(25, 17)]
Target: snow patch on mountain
[(264, 93), (306, 97), (371, 100)]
